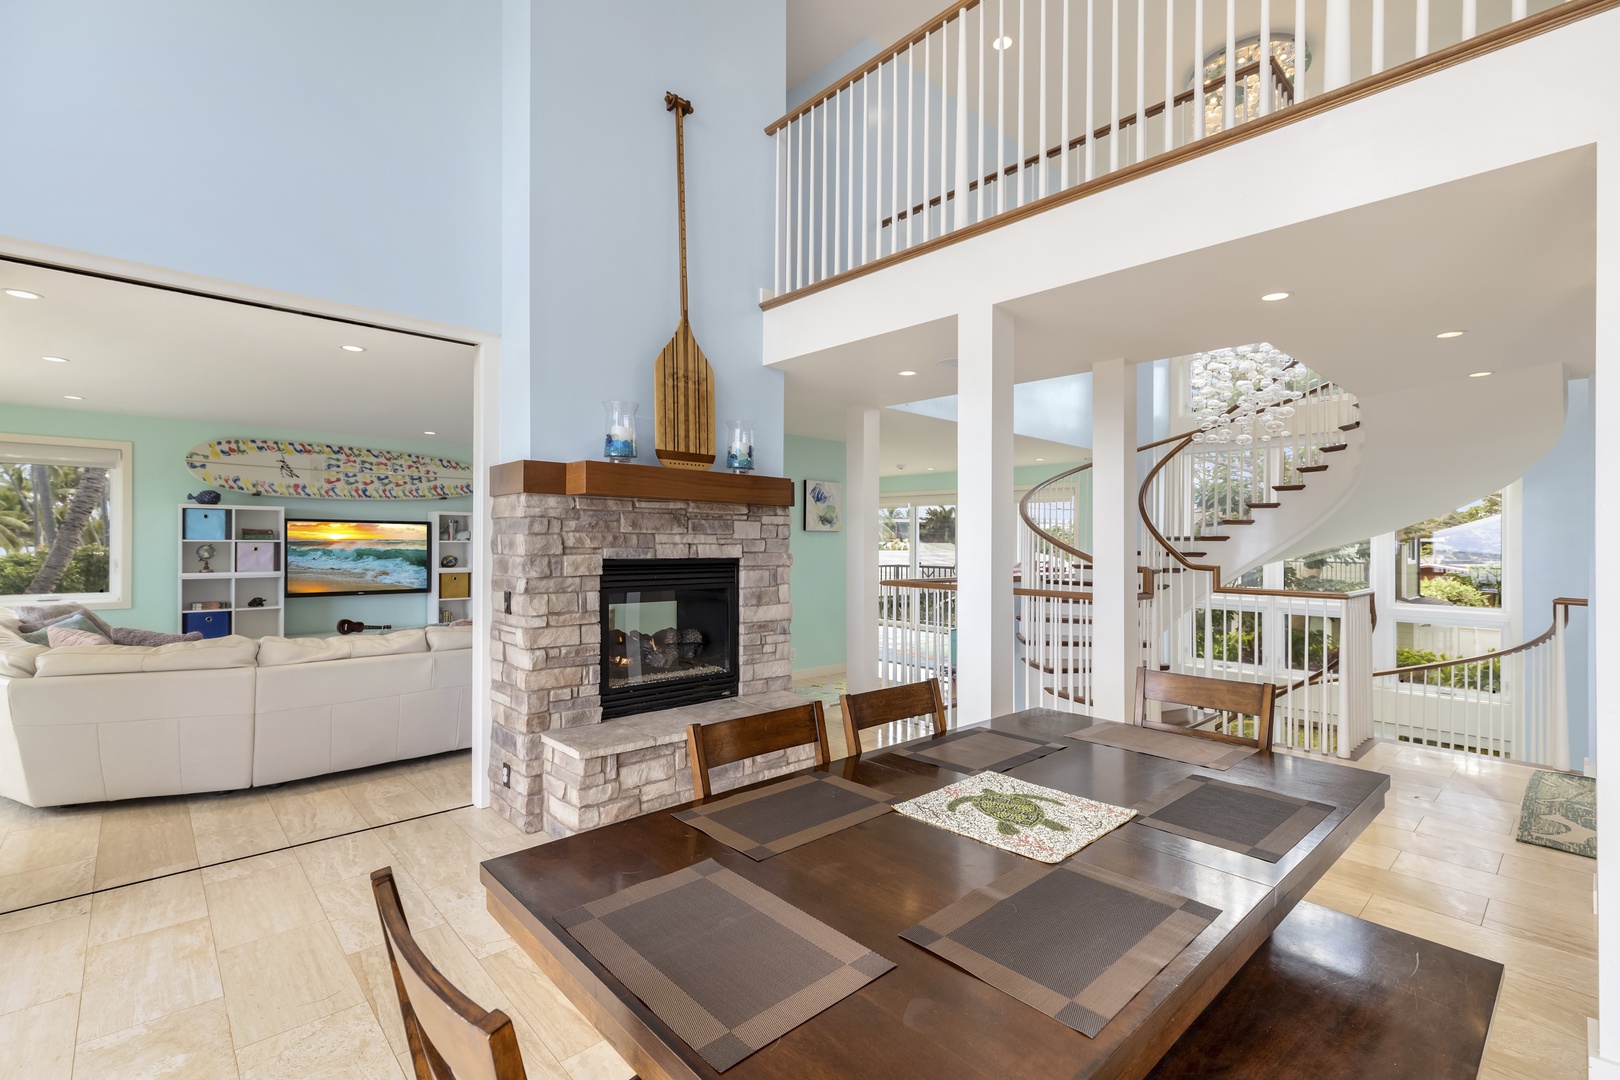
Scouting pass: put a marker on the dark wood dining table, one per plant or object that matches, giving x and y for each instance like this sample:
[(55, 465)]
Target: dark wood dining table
[(928, 1018)]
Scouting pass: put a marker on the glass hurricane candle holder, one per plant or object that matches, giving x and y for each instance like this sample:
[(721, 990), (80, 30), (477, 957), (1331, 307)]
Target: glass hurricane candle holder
[(740, 445), (620, 442)]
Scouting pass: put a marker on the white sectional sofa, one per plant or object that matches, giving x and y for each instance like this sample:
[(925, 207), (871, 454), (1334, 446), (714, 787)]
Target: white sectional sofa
[(93, 723)]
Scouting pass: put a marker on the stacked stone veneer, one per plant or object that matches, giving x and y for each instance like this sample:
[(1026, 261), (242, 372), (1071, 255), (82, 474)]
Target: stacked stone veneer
[(546, 654)]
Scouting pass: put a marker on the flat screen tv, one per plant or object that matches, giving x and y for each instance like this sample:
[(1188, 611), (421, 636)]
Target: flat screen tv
[(357, 558)]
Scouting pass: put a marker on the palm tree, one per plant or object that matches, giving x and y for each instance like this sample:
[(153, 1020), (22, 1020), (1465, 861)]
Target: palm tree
[(938, 526), (68, 535)]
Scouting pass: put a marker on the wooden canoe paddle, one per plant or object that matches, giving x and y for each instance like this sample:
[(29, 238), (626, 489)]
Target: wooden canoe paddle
[(683, 381)]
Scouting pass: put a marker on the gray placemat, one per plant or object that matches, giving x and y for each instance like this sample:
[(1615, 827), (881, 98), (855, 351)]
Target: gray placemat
[(778, 818), (728, 966), (1190, 749), (1076, 942), (1027, 819), (980, 750), (1247, 820)]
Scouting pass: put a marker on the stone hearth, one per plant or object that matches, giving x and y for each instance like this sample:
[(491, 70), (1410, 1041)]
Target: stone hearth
[(546, 653)]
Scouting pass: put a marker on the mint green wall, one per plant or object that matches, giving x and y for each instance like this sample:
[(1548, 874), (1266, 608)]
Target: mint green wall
[(161, 483), (818, 560)]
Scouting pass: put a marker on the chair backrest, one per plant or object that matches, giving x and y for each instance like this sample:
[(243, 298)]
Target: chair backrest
[(449, 1036), (1225, 696), (875, 707), (709, 746)]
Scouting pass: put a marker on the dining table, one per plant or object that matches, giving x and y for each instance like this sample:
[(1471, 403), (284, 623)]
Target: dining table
[(871, 882)]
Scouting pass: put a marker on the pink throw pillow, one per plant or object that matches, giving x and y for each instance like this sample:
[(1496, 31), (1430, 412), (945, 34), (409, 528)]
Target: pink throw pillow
[(60, 636)]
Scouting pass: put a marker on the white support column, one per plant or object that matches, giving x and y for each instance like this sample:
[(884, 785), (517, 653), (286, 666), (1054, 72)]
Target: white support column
[(861, 431), (1381, 579), (1116, 639), (1605, 611), (986, 535)]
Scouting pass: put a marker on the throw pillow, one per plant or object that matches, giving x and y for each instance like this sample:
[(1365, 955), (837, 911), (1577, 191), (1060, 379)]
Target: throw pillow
[(61, 637), (39, 616), (68, 622), (127, 635)]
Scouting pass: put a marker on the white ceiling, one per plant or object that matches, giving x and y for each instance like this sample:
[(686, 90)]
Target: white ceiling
[(153, 352), (912, 444)]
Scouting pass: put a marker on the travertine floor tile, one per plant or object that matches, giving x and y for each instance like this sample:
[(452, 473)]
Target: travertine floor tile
[(144, 841), (345, 856), (560, 1025), (137, 979), (49, 843), (192, 1044), (352, 910), (274, 984), (42, 962), (388, 799), (36, 916), (346, 1045), (47, 884), (259, 897), (37, 1043), (600, 1062), (444, 783), (217, 844), (493, 833), (150, 905), (314, 812), (371, 970)]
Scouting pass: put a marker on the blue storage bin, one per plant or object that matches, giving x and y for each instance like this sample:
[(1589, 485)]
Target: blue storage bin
[(210, 623), (204, 524)]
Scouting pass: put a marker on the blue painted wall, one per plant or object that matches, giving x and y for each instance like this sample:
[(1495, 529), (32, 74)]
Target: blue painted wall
[(819, 560), (604, 291), (349, 151), (162, 482), (1559, 525)]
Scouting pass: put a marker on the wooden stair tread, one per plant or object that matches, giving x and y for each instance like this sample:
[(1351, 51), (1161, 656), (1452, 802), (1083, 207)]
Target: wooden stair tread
[(1237, 521), (1335, 448), (1313, 468), (1287, 487), (1350, 427), (1194, 554), (1264, 506)]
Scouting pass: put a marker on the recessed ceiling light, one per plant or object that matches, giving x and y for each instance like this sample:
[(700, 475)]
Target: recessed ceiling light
[(948, 362), (908, 373), (24, 294), (354, 348), (1274, 296), (73, 397), (55, 359), (430, 432), (1040, 459), (1001, 43), (1480, 374), (930, 468), (1451, 333)]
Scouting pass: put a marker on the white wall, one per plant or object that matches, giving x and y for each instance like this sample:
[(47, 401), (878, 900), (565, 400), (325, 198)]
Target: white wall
[(605, 295), (348, 151)]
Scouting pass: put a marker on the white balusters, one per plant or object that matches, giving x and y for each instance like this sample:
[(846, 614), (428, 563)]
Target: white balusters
[(1141, 79), (960, 180), (1267, 89), (1229, 103), (1113, 96)]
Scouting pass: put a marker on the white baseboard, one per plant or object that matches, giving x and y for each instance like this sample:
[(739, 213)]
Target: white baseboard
[(1598, 1068), (818, 672)]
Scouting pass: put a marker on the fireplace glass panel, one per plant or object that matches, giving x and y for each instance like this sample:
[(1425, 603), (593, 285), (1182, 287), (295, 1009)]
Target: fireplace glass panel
[(666, 635)]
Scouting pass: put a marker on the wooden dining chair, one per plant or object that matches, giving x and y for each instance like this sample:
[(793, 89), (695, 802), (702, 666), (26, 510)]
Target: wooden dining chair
[(708, 746), (449, 1036), (1226, 697), (877, 707)]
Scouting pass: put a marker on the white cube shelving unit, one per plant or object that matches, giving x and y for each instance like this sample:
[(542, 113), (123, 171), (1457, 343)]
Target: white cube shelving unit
[(446, 527), (223, 584)]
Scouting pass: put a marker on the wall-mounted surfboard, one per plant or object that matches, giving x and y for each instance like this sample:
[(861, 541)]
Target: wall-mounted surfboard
[(305, 470)]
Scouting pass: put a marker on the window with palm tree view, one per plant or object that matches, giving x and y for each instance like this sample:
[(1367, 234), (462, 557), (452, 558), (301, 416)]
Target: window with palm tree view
[(56, 519)]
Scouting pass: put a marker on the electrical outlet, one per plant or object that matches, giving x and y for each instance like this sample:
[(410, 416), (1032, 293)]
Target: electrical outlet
[(506, 773), (507, 601)]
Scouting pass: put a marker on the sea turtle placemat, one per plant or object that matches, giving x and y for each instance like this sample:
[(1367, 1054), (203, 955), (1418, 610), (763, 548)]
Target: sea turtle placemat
[(728, 966), (770, 820), (980, 749), (1560, 812), (1026, 819), (1248, 820), (1075, 941)]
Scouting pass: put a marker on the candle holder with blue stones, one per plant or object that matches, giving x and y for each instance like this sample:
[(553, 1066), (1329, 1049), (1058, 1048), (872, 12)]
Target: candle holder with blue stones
[(740, 446), (619, 444)]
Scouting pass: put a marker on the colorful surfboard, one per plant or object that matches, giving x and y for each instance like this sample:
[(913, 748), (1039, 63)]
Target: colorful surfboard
[(305, 470)]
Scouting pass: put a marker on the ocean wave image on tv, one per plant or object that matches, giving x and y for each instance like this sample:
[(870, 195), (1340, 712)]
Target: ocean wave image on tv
[(325, 557)]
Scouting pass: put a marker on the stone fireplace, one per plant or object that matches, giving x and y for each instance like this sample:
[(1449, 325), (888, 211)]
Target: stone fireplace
[(572, 545)]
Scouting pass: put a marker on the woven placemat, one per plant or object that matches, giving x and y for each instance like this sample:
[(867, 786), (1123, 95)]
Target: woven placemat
[(778, 818), (728, 966), (1244, 819), (1076, 942), (1026, 819), (980, 750), (1189, 749)]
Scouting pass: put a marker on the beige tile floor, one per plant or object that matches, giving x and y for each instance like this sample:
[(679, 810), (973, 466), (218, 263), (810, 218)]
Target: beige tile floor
[(272, 965)]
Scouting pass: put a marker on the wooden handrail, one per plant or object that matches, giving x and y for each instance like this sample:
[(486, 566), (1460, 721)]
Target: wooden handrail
[(1563, 603), (1183, 98), (1503, 36)]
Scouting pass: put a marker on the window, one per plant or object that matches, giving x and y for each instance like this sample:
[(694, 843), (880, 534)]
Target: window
[(1455, 559), (1340, 569), (64, 520)]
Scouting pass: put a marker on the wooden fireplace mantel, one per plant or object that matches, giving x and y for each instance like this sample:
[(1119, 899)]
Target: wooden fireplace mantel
[(614, 480)]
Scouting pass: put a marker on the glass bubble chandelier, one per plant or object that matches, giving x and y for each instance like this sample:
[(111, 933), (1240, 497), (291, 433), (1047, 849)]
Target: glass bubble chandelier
[(1244, 395)]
